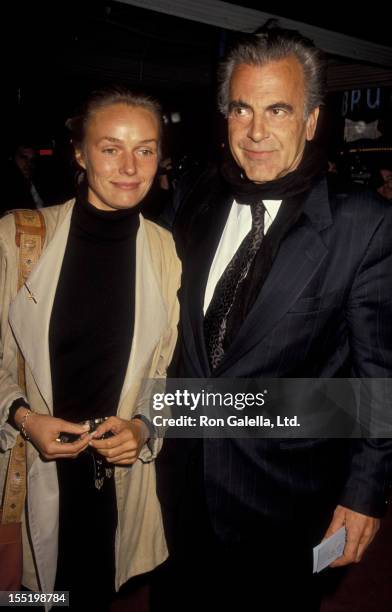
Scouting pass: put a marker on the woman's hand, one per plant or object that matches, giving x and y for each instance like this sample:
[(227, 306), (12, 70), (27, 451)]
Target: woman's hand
[(44, 431), (124, 446)]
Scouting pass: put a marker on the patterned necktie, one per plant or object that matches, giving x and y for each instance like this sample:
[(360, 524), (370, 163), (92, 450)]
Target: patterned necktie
[(229, 285)]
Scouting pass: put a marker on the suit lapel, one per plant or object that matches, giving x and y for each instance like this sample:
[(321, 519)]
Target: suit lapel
[(31, 310), (200, 254), (299, 257)]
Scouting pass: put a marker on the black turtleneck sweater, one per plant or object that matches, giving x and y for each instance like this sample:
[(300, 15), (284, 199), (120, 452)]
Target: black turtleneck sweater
[(91, 326)]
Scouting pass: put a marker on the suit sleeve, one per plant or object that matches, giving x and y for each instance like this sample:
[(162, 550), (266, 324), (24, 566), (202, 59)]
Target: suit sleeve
[(369, 317)]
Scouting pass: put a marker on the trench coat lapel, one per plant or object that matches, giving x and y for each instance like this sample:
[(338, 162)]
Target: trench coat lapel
[(30, 318), (151, 316), (30, 311)]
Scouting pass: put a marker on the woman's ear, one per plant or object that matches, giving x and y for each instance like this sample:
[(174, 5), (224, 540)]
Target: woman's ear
[(80, 158)]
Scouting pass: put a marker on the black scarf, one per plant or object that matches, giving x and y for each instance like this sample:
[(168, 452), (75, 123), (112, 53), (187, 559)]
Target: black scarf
[(312, 166), (292, 189)]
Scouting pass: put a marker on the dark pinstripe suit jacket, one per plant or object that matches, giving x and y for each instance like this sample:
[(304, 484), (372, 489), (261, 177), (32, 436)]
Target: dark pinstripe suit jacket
[(325, 310)]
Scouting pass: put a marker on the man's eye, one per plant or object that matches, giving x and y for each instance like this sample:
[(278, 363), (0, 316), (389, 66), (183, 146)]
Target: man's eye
[(241, 111), (109, 151), (278, 112)]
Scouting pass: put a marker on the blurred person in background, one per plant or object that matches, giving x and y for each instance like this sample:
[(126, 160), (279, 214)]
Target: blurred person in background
[(385, 189), (21, 189)]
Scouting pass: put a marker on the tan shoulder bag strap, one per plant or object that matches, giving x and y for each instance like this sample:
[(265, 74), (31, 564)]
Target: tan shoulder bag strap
[(29, 238)]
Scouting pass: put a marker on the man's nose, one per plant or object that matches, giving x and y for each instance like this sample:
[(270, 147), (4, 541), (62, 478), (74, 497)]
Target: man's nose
[(128, 163), (258, 129)]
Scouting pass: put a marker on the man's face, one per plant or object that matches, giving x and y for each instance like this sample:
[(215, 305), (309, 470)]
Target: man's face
[(267, 129), (24, 159), (120, 155)]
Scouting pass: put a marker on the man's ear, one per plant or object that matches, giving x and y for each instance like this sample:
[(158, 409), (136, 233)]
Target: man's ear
[(311, 123), (80, 159)]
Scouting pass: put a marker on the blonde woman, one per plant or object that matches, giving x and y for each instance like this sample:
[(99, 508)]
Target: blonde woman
[(103, 317)]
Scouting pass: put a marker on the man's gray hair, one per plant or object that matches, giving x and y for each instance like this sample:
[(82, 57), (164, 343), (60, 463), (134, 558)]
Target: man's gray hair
[(272, 45)]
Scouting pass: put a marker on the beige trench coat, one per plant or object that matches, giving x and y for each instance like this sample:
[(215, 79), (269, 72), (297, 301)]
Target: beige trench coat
[(140, 542)]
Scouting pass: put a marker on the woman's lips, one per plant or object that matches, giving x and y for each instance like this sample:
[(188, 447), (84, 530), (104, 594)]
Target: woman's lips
[(126, 186)]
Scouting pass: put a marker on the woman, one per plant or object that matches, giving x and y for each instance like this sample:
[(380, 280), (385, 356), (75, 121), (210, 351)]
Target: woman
[(99, 315)]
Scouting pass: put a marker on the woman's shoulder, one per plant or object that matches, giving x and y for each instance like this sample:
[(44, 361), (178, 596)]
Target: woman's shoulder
[(58, 209), (53, 217)]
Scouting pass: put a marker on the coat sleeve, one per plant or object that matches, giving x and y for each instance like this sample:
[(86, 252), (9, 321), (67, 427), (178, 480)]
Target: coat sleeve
[(9, 388), (369, 317)]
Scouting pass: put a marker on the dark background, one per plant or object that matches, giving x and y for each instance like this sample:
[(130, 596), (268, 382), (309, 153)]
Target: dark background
[(61, 51)]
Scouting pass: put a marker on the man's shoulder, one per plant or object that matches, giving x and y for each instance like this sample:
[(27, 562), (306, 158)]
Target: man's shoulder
[(194, 199), (358, 216), (196, 185), (358, 211), (359, 201)]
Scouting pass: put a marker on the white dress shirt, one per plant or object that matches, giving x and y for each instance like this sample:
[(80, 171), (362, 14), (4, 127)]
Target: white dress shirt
[(238, 224)]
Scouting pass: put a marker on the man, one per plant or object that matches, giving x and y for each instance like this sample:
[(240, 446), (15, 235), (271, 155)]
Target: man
[(279, 280), (20, 183)]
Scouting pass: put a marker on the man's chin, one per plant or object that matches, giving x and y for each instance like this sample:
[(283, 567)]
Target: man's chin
[(260, 178)]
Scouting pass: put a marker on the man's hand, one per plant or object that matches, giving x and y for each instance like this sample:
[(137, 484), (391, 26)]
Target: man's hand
[(44, 430), (360, 531), (124, 446)]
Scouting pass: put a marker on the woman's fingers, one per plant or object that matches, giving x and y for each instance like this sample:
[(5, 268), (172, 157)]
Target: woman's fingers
[(64, 450)]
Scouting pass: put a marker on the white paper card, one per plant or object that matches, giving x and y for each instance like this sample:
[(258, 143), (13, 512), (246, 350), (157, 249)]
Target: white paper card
[(329, 550)]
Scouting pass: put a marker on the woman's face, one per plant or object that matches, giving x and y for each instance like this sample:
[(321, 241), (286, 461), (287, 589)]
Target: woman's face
[(120, 155)]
